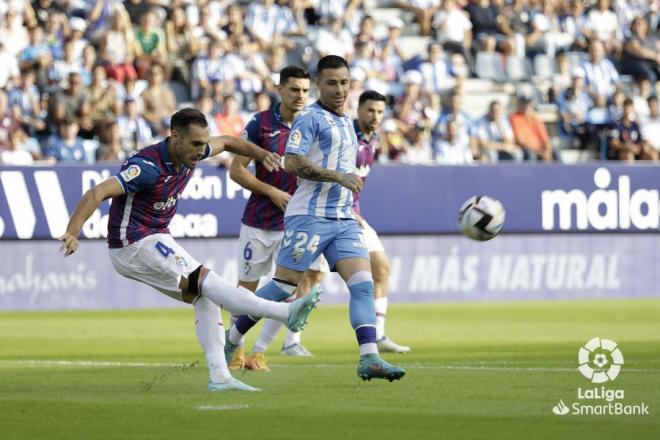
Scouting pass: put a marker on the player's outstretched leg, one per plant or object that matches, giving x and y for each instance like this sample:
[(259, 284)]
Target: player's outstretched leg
[(363, 317), (208, 327)]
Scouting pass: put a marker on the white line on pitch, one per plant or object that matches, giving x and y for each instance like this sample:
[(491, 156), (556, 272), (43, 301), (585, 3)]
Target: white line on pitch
[(460, 367), (222, 407)]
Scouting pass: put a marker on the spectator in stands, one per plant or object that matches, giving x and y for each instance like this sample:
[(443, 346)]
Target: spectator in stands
[(600, 76), (561, 79), (391, 52), (134, 129), (78, 26), (230, 122), (335, 39), (453, 149), (28, 100), (16, 153), (103, 101), (424, 12), (650, 125), (573, 22), (495, 136), (13, 33), (8, 121), (625, 139), (205, 105), (372, 66), (487, 26), (454, 110), (366, 31), (436, 70), (573, 106), (118, 48), (54, 33), (151, 39), (182, 46), (262, 19), (8, 66), (454, 30), (112, 148), (393, 145), (29, 57), (641, 93), (158, 101), (62, 68), (419, 150), (235, 28), (262, 102), (71, 104), (641, 52), (88, 64), (414, 107), (66, 146), (602, 24), (546, 35), (530, 133), (208, 69)]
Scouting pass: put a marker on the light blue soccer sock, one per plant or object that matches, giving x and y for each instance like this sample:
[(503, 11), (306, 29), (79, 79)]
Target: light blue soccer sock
[(362, 311), (276, 290)]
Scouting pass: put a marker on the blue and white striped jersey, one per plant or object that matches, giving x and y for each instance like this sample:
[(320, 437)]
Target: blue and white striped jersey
[(328, 140)]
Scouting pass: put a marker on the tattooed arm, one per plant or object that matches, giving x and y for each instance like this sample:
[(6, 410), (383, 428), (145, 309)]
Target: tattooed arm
[(305, 168)]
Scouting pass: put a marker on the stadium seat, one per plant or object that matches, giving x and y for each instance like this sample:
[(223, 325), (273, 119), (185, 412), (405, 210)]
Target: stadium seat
[(543, 66), (489, 66), (517, 68)]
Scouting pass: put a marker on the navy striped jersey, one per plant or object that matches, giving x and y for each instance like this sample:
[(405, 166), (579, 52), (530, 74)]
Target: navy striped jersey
[(364, 160), (268, 130), (328, 140), (152, 187)]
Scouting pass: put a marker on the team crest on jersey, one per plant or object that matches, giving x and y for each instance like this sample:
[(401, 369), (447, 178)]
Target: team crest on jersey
[(294, 139), (247, 266), (180, 260), (244, 135), (130, 173)]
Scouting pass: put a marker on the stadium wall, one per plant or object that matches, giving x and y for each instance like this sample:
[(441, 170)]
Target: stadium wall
[(571, 232)]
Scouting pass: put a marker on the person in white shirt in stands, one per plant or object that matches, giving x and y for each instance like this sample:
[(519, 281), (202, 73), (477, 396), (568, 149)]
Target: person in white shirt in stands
[(495, 136), (454, 30), (650, 125), (603, 24), (453, 149)]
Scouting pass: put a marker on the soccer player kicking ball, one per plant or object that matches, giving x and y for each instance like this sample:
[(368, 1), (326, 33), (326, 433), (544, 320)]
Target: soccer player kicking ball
[(144, 196), (262, 224), (321, 150)]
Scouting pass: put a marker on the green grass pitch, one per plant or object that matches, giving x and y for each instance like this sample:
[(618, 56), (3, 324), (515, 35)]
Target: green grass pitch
[(477, 371)]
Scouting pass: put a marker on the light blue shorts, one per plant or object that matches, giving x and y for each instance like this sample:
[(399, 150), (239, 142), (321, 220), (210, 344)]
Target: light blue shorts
[(306, 237)]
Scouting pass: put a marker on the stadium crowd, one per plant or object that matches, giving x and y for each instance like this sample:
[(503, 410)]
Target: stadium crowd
[(92, 80)]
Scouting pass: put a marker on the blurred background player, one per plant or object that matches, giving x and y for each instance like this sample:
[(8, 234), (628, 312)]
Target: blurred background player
[(262, 226), (145, 194), (371, 109), (321, 150)]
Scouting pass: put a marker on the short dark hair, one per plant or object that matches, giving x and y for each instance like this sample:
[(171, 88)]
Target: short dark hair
[(330, 62), (292, 72), (628, 102), (186, 117), (371, 95)]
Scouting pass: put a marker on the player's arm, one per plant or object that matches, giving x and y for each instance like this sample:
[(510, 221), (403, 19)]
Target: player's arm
[(242, 147), (239, 173), (301, 166), (89, 202)]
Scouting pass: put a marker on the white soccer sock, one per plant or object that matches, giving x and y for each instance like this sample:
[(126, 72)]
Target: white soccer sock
[(381, 311), (211, 337), (292, 338), (266, 336), (240, 301)]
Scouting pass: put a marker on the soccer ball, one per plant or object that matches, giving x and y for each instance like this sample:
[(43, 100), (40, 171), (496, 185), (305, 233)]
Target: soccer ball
[(481, 217)]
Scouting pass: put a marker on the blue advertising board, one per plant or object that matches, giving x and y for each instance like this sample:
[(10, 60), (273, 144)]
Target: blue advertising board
[(35, 202), (424, 269)]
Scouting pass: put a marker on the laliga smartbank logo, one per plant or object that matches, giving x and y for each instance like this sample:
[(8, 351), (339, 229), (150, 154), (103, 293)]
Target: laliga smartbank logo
[(600, 361)]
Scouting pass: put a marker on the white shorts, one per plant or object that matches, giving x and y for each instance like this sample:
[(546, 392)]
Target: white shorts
[(371, 240), (156, 260), (257, 251)]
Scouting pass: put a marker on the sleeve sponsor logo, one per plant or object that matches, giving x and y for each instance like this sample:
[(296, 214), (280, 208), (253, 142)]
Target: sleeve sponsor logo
[(130, 173), (294, 139)]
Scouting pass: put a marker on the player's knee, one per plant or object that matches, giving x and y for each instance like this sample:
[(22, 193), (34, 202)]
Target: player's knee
[(361, 283), (191, 285)]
